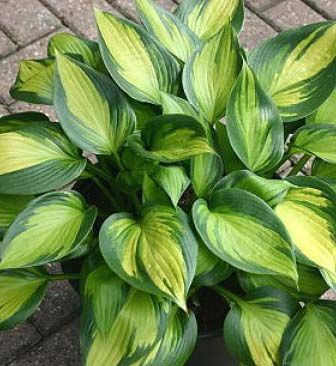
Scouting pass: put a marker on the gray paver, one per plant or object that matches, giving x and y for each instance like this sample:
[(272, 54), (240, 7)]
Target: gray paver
[(61, 349), (19, 107), (26, 20), (255, 30), (6, 45), (9, 65), (78, 14), (292, 13), (261, 5), (325, 7), (16, 341), (3, 110)]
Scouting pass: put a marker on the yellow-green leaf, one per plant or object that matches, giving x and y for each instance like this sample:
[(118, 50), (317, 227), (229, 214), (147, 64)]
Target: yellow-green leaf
[(170, 31), (309, 215), (326, 113), (310, 338), (93, 113), (155, 252), (297, 68), (235, 216), (21, 292), (211, 72), (255, 325), (137, 62), (207, 17), (324, 169), (35, 156), (254, 126), (51, 227)]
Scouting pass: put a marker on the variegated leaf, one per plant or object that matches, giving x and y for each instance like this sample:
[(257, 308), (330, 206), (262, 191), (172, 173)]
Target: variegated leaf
[(207, 17), (254, 327), (120, 325), (297, 68), (155, 252), (254, 126), (136, 61), (35, 156), (329, 277), (21, 292), (211, 72), (91, 110), (326, 113), (170, 31), (51, 227), (310, 338), (324, 169), (235, 216)]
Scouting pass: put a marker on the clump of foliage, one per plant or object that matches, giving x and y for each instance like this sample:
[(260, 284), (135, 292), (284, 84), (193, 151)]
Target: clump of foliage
[(172, 136)]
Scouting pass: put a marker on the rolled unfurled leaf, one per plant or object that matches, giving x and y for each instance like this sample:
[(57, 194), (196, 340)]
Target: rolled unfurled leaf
[(136, 61), (36, 156), (52, 227), (21, 292), (156, 252), (297, 68), (235, 216)]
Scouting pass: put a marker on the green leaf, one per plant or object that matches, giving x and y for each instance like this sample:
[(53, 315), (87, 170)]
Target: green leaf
[(324, 169), (34, 82), (172, 138), (271, 191), (36, 156), (93, 113), (326, 113), (119, 323), (310, 338), (329, 277), (310, 285), (52, 227), (172, 104), (309, 215), (254, 126), (316, 139), (207, 17), (167, 28), (85, 50), (21, 292), (10, 207), (152, 193), (254, 327), (211, 72), (297, 68), (137, 62), (234, 216), (210, 270), (155, 252)]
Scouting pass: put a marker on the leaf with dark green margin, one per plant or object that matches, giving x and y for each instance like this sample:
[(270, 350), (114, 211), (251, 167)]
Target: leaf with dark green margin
[(91, 110), (155, 252), (254, 126), (255, 325), (310, 338), (35, 156), (170, 31), (297, 68), (211, 72), (152, 193), (324, 169), (21, 293), (326, 113), (137, 62), (51, 227), (235, 216)]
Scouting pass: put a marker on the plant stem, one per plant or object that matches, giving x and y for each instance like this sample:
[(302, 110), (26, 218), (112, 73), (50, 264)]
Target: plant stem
[(299, 165), (63, 276), (107, 193)]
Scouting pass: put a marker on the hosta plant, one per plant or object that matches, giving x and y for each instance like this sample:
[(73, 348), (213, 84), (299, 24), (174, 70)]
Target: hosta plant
[(161, 178)]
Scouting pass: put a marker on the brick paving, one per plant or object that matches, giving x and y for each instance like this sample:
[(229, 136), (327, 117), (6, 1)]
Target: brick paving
[(50, 337)]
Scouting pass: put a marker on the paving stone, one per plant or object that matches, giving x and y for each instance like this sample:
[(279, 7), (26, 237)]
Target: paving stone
[(330, 295), (19, 107), (127, 7), (78, 14), (6, 45), (16, 341), (262, 4), (292, 13), (61, 349), (59, 307), (255, 30), (26, 20), (325, 7), (3, 110), (9, 65)]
